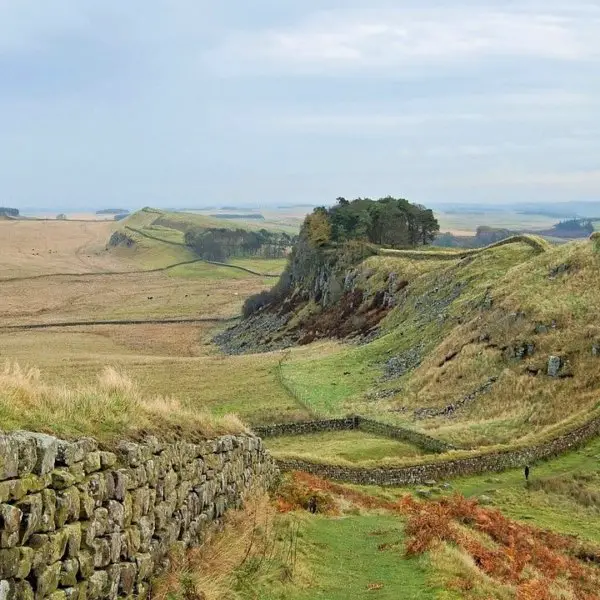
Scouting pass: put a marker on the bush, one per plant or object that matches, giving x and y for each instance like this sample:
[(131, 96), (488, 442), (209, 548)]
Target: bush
[(268, 297)]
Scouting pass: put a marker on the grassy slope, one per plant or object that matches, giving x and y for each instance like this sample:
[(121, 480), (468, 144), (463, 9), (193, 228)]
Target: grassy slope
[(437, 322)]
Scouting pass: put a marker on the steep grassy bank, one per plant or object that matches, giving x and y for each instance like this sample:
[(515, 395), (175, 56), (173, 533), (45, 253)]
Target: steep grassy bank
[(461, 348)]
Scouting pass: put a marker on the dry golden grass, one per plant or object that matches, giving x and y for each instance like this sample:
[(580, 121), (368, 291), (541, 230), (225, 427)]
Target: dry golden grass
[(165, 360), (252, 547), (36, 247), (111, 407)]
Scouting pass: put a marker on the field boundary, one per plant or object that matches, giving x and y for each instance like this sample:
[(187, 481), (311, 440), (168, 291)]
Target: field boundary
[(103, 273), (448, 469), (210, 262), (172, 321), (354, 423), (533, 241)]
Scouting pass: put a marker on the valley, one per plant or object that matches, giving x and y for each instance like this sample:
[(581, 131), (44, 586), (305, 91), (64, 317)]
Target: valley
[(484, 352)]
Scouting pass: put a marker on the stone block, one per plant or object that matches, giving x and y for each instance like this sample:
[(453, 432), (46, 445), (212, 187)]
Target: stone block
[(32, 508), (146, 528), (9, 562), (145, 566), (116, 516), (58, 595), (108, 459), (69, 453), (68, 506), (62, 479), (69, 571), (96, 485), (86, 564), (6, 590), (46, 450), (87, 504), (97, 585), (23, 591), (111, 488), (554, 366), (101, 553), (25, 562), (58, 541), (47, 522), (100, 521), (74, 536), (92, 462), (120, 484), (47, 581), (114, 579), (9, 457), (130, 542), (114, 543), (10, 520), (71, 593), (78, 472), (129, 454), (128, 578)]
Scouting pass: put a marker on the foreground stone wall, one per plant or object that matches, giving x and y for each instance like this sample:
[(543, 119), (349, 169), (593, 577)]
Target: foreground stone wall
[(78, 523), (421, 440), (448, 469)]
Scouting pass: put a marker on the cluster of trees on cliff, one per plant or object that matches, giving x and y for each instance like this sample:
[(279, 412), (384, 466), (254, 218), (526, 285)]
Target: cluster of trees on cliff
[(392, 222), (219, 244), (333, 240)]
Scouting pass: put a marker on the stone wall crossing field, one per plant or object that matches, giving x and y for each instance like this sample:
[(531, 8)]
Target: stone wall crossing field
[(425, 442), (80, 523), (452, 468)]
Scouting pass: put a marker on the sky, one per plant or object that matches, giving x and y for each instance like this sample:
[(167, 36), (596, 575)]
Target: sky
[(189, 103)]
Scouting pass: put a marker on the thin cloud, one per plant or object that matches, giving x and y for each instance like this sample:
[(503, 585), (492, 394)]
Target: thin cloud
[(397, 38)]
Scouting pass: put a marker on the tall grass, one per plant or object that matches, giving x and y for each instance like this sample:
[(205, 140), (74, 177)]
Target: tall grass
[(254, 547), (111, 407)]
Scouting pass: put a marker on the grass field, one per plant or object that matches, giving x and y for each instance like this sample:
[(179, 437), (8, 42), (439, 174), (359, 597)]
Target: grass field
[(348, 446), (35, 247), (169, 360)]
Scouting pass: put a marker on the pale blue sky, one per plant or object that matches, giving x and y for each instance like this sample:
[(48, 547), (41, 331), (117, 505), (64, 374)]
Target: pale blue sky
[(191, 102)]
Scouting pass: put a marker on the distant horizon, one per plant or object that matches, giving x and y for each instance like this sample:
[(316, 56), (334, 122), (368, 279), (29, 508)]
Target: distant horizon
[(439, 206)]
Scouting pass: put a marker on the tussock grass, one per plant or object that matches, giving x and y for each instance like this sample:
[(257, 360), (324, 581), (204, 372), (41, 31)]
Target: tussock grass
[(111, 408), (255, 548)]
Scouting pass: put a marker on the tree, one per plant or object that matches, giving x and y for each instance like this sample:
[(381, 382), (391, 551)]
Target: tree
[(388, 221)]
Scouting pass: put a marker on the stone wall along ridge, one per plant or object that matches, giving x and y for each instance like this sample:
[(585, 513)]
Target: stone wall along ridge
[(80, 523)]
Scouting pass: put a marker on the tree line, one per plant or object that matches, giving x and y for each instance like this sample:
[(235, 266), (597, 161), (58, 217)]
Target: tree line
[(9, 212), (220, 244)]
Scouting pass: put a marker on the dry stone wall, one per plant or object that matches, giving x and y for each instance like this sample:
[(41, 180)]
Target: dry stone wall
[(425, 442), (448, 469), (80, 523)]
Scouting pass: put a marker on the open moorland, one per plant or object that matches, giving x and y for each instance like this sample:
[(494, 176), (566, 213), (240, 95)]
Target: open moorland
[(480, 351)]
